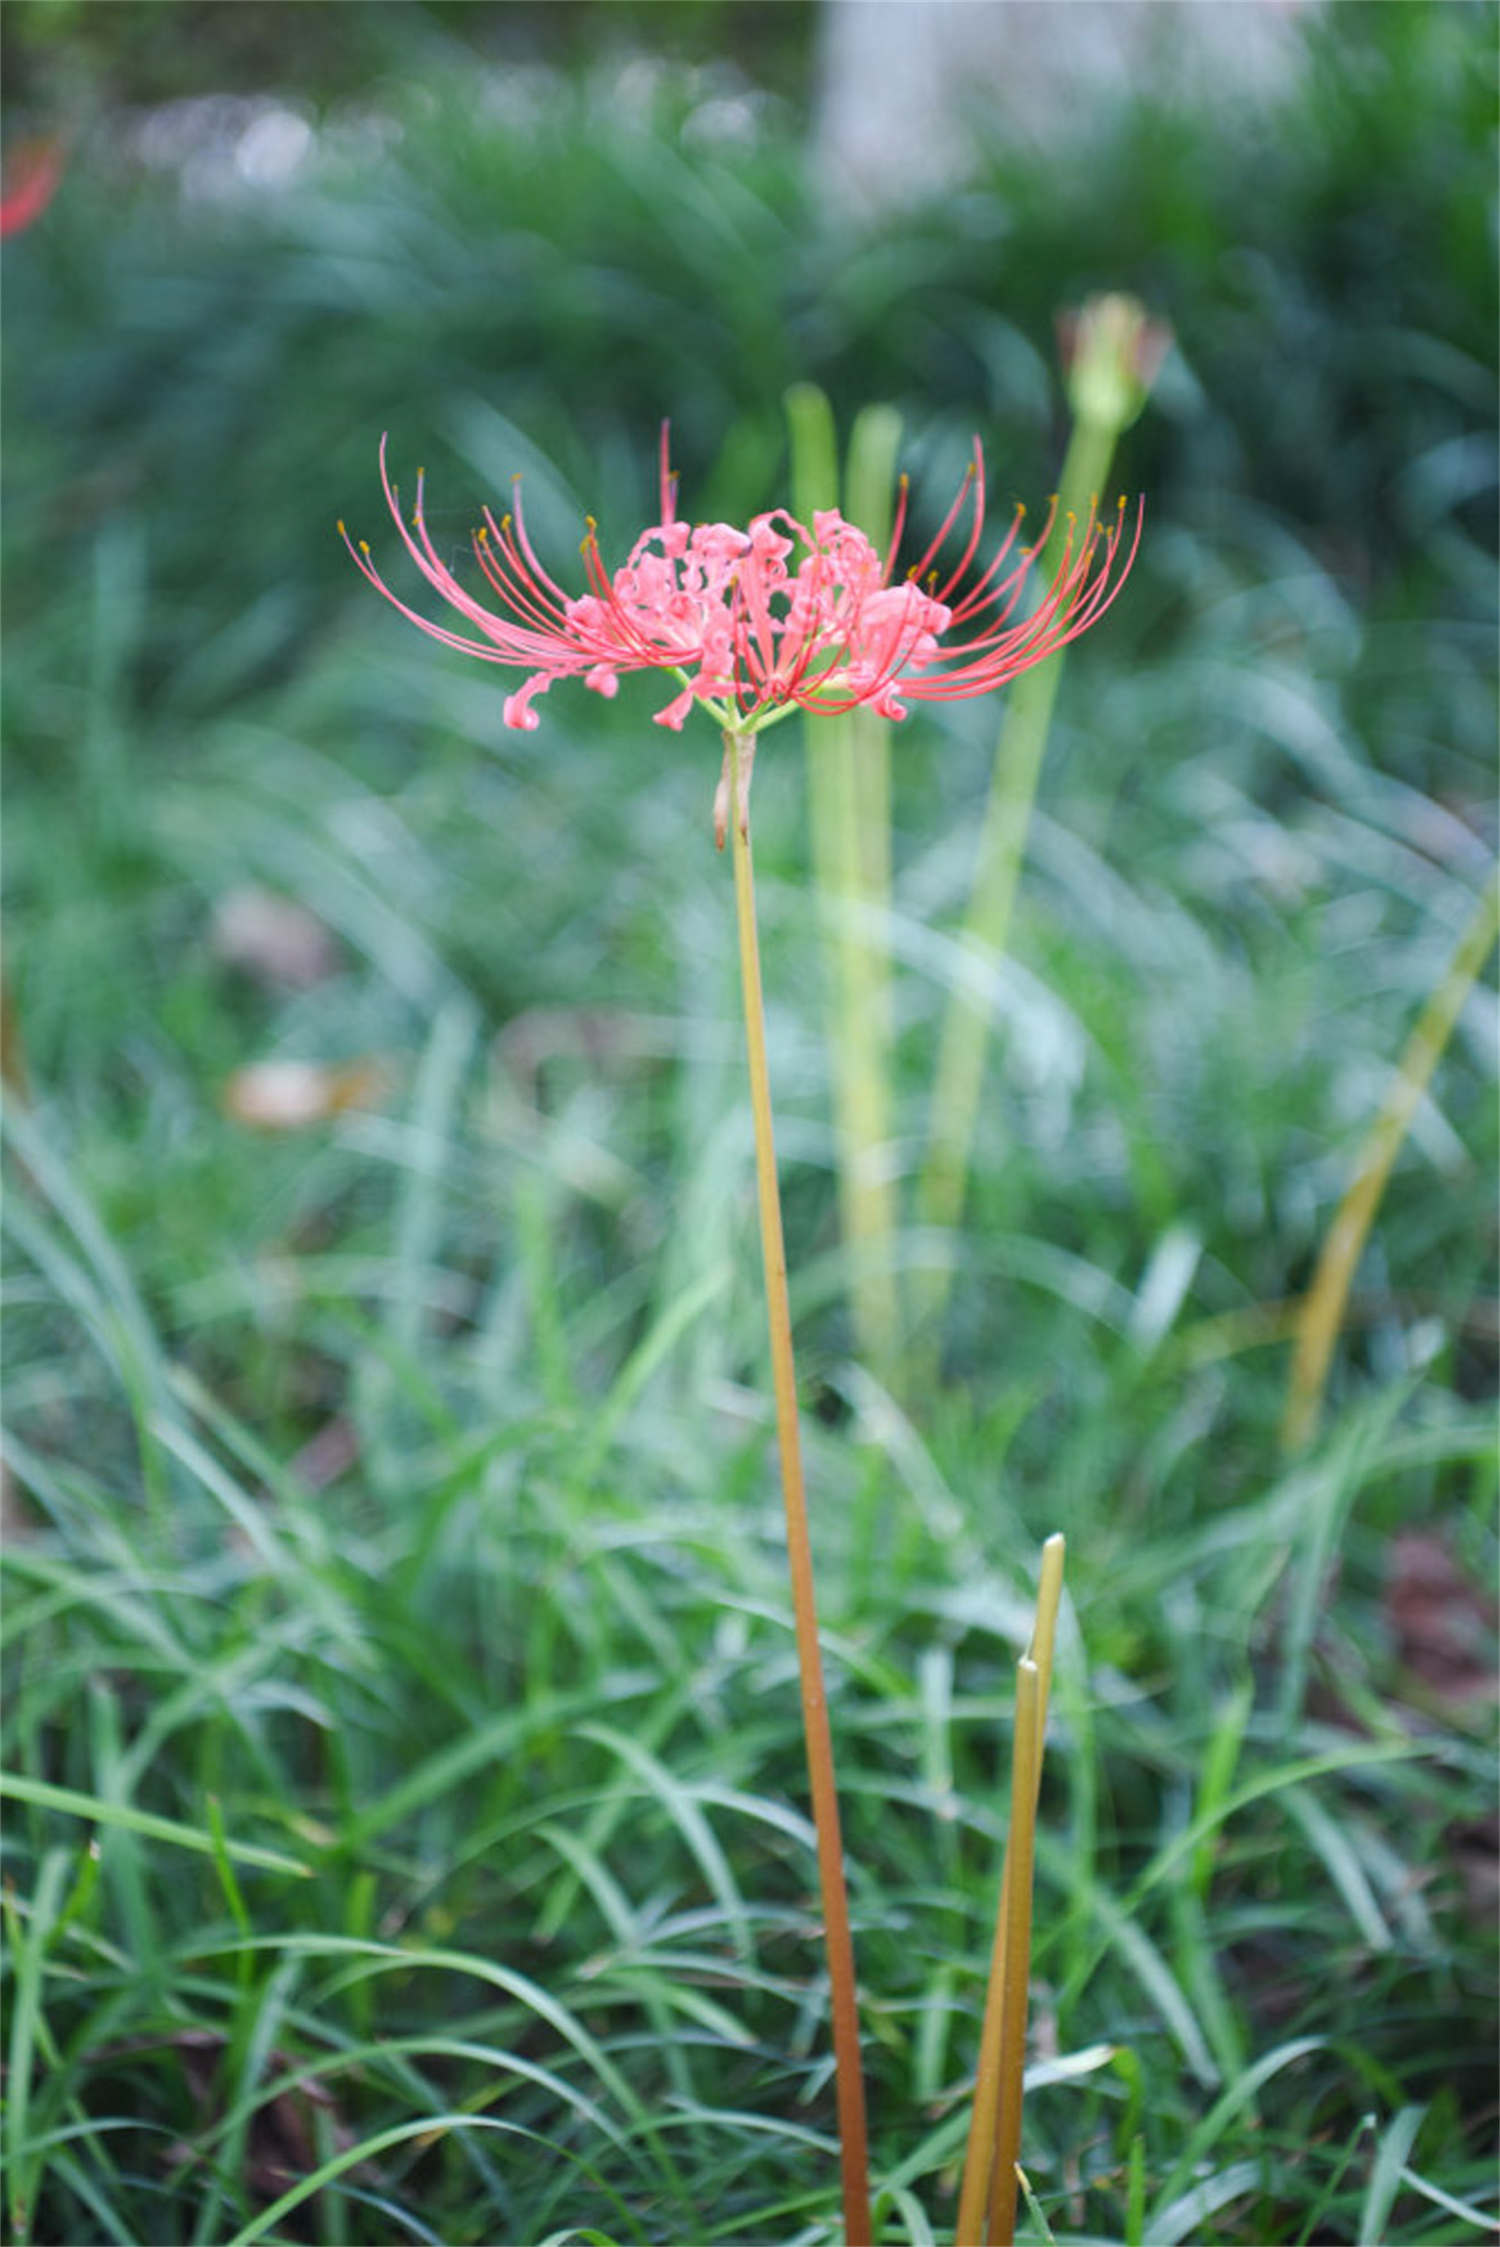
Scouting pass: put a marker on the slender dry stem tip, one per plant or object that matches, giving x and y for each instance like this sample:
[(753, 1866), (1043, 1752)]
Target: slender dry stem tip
[(1044, 1630), (1322, 1311), (1002, 2044), (1000, 2229)]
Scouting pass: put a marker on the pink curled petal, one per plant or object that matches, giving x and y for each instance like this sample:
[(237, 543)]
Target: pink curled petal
[(603, 681), (518, 713), (676, 711)]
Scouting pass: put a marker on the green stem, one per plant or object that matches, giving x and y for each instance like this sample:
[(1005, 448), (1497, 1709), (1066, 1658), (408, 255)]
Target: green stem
[(871, 477), (959, 1078), (848, 2079), (848, 782), (1322, 1311)]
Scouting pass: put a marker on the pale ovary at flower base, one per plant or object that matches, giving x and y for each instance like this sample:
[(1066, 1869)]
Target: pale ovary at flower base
[(750, 636)]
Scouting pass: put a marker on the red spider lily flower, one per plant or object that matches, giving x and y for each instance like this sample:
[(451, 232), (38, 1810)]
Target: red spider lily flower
[(31, 177), (751, 631)]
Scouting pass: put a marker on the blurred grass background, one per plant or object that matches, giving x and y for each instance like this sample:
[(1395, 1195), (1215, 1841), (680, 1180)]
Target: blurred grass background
[(400, 1484)]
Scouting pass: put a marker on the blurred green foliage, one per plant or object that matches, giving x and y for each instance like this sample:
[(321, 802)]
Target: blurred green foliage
[(142, 51), (582, 267)]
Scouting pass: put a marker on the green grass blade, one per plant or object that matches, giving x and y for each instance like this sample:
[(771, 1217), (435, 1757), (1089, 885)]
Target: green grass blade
[(1465, 2210), (72, 1804), (490, 1743), (1186, 2218), (1238, 2096), (683, 1808), (26, 2008), (1391, 2156), (1344, 1868), (430, 2129)]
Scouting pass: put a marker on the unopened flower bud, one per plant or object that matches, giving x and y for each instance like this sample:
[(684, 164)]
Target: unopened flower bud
[(1111, 353)]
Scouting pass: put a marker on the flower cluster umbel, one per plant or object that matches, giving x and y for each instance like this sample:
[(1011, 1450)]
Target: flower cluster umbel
[(755, 623)]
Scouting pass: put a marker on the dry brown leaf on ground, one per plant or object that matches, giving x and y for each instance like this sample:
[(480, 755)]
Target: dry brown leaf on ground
[(327, 1455), (281, 2147), (273, 939), (290, 1095), (1443, 1627)]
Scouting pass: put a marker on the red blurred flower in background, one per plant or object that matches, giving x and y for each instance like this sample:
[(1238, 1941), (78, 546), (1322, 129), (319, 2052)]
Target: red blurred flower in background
[(32, 171)]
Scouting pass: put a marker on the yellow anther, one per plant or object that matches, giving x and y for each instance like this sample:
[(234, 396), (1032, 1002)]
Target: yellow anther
[(364, 546), (342, 532)]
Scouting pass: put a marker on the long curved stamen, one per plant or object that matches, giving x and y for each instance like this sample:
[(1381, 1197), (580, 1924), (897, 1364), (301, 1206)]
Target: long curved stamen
[(543, 606), (930, 553), (898, 525), (1067, 612), (418, 544), (956, 576), (983, 591), (538, 574), (367, 569)]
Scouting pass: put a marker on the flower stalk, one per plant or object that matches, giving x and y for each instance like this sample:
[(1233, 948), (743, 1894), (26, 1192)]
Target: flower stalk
[(1114, 353), (838, 1940), (1322, 1310), (751, 625), (987, 2202), (849, 836)]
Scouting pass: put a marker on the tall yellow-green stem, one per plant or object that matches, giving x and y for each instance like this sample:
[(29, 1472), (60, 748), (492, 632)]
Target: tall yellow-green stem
[(849, 827), (959, 1079), (1322, 1311), (848, 2074), (987, 2201), (1114, 353)]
